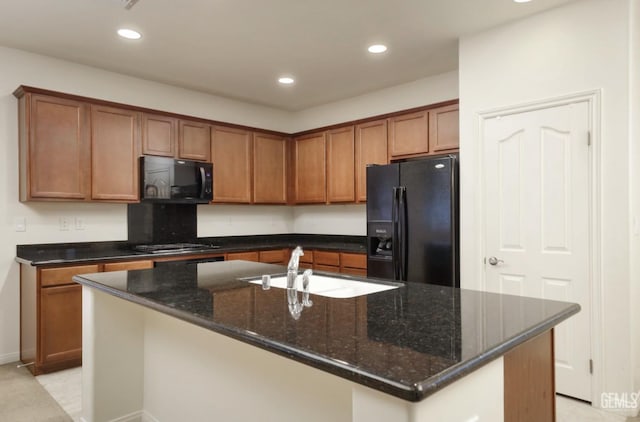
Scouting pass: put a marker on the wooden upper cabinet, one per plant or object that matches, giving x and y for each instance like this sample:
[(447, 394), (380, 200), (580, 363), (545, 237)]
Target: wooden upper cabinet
[(444, 129), (194, 141), (408, 135), (340, 165), (269, 169), (114, 151), (159, 135), (371, 148), (54, 148), (309, 155), (232, 169)]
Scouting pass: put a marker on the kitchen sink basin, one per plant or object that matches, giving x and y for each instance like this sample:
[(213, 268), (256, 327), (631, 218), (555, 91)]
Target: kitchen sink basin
[(331, 286)]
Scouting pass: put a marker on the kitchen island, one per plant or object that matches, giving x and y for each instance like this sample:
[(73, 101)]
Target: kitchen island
[(200, 342)]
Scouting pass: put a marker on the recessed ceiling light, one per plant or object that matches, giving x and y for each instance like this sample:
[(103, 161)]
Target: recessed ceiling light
[(377, 48), (285, 80), (129, 34), (521, 1)]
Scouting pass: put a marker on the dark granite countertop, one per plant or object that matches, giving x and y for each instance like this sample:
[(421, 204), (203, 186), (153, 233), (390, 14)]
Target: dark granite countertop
[(408, 342), (90, 252)]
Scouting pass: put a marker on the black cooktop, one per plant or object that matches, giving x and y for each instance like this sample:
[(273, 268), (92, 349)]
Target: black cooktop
[(173, 247)]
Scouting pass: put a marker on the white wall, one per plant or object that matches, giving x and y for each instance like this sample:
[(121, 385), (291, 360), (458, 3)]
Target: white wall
[(581, 46), (323, 219), (430, 90), (634, 177), (232, 220)]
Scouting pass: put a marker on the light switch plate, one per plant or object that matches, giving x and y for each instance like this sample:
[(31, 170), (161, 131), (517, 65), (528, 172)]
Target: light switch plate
[(20, 224), (64, 223), (79, 223)]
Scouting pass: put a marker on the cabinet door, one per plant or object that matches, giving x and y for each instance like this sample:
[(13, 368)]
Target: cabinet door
[(158, 135), (371, 148), (194, 141), (269, 169), (310, 183), (340, 165), (114, 144), (326, 258), (278, 256), (231, 157), (57, 164), (60, 324), (409, 134), (444, 129), (353, 263)]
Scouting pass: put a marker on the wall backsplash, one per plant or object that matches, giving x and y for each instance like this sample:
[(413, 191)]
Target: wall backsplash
[(330, 219)]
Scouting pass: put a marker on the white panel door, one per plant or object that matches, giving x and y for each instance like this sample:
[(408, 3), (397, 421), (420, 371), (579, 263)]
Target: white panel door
[(537, 220)]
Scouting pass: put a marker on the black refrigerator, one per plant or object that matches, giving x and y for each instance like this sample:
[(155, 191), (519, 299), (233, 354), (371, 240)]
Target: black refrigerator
[(413, 221)]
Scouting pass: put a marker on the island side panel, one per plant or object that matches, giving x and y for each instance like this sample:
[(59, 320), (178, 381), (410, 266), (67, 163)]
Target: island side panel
[(475, 397), (192, 373), (112, 357), (529, 385)]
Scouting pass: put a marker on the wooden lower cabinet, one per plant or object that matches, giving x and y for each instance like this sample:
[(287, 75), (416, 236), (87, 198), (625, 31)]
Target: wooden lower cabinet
[(51, 314), (353, 263), (123, 266), (326, 261), (244, 256), (61, 326), (276, 256), (51, 317)]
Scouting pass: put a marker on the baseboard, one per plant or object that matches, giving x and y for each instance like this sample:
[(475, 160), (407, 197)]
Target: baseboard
[(148, 417), (9, 357), (139, 416)]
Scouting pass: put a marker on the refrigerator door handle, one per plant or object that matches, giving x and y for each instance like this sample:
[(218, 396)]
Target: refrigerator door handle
[(402, 229), (395, 251)]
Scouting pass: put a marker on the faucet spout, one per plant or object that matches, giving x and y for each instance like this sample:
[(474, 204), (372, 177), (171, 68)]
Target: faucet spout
[(295, 306), (292, 268)]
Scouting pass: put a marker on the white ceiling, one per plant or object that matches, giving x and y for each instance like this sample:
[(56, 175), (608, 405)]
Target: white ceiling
[(238, 48)]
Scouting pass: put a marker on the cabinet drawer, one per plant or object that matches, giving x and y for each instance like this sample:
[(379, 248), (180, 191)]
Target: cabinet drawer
[(329, 268), (273, 257), (326, 258), (59, 276), (245, 256), (131, 265), (353, 260)]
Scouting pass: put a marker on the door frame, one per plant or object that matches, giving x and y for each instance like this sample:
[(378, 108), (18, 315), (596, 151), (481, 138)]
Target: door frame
[(593, 99)]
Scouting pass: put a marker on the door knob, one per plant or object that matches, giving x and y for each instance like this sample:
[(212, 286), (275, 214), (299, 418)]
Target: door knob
[(495, 261)]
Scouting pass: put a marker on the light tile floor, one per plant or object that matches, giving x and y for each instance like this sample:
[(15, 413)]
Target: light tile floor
[(66, 388), (569, 410)]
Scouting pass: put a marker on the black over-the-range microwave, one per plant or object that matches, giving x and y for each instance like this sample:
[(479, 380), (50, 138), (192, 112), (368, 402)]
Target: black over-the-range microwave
[(164, 179)]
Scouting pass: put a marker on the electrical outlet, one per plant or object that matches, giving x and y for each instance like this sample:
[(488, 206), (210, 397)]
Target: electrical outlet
[(64, 223), (20, 224), (79, 223)]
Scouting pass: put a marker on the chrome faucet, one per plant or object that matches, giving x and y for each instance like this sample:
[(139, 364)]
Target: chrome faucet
[(292, 268), (295, 306)]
